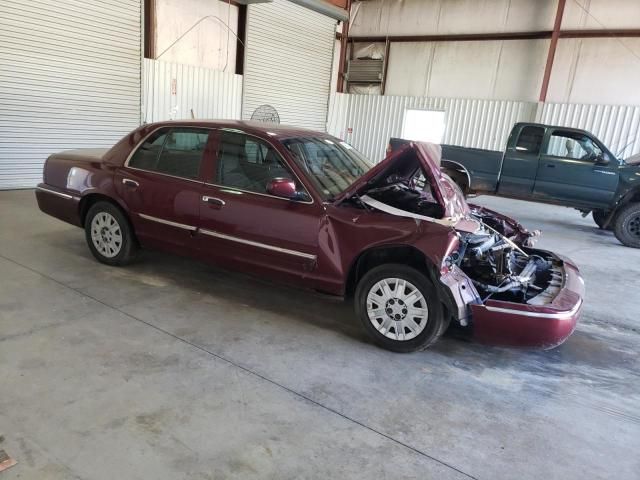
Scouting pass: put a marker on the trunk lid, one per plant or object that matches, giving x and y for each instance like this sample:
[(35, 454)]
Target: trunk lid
[(81, 154)]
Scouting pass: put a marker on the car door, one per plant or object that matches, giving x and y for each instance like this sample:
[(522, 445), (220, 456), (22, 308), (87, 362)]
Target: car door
[(575, 169), (520, 162), (242, 225), (160, 184)]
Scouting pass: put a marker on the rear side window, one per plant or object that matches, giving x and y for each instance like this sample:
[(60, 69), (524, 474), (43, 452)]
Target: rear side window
[(530, 140), (177, 152)]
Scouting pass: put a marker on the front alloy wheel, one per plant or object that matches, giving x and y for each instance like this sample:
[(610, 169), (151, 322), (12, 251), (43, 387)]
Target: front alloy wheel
[(398, 306), (397, 309)]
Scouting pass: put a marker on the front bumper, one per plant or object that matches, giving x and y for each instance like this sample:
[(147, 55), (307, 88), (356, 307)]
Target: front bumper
[(523, 325)]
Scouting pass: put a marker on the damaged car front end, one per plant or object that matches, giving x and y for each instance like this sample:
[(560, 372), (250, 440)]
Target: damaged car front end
[(501, 288)]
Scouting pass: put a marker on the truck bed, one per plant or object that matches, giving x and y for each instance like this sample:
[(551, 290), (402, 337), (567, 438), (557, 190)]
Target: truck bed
[(483, 165)]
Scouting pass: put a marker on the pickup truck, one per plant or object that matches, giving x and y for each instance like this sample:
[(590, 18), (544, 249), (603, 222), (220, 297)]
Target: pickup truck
[(556, 165)]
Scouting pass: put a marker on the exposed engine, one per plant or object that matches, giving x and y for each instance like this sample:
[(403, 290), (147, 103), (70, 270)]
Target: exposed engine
[(495, 256), (501, 270)]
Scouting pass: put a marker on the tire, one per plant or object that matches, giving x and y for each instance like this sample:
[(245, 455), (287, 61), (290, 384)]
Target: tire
[(383, 327), (109, 235), (626, 225), (599, 216)]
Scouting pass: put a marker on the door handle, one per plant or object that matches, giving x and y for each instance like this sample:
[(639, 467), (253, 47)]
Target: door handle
[(213, 201), (551, 165), (130, 183)]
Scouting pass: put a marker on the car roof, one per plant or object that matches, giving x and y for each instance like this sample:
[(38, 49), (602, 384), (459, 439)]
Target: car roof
[(256, 128)]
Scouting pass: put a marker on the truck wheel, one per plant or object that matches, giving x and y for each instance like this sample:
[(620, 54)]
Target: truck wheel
[(109, 235), (599, 216), (399, 308), (626, 225)]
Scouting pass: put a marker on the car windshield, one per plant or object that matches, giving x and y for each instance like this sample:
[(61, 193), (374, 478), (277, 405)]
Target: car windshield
[(332, 165)]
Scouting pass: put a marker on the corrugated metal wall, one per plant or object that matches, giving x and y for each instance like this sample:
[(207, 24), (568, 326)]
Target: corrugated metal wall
[(469, 123), (172, 91), (617, 126), (373, 119), (69, 78), (288, 62)]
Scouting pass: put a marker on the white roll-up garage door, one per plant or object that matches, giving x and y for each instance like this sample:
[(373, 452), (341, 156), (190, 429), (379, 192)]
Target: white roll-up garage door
[(69, 78), (288, 58)]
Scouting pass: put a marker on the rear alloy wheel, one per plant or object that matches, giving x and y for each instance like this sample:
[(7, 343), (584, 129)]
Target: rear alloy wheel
[(399, 308), (600, 216), (626, 226), (109, 235)]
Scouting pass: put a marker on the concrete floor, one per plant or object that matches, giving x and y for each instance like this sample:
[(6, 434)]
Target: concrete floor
[(169, 369)]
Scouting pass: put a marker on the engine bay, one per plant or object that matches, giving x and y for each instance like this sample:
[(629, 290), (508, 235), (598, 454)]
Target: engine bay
[(501, 270), (496, 256)]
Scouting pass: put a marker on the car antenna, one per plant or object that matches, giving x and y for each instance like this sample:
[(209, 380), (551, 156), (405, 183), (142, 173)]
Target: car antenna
[(626, 146)]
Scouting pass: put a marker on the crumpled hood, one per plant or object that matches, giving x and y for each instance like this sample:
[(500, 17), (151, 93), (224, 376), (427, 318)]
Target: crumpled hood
[(403, 164), (457, 212)]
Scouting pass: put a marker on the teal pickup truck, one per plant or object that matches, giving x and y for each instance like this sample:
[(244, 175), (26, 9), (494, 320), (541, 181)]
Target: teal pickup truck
[(557, 165)]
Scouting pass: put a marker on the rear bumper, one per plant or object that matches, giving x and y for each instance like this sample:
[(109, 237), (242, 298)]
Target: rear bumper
[(539, 326), (58, 203)]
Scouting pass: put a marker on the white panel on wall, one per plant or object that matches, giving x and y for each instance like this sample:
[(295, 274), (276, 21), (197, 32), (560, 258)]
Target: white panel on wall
[(172, 91), (70, 76), (596, 70), (489, 69), (373, 119), (431, 17), (409, 68), (205, 31), (289, 54), (601, 14)]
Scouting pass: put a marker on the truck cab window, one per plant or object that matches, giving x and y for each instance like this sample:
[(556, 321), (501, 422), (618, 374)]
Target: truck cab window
[(530, 140), (575, 146)]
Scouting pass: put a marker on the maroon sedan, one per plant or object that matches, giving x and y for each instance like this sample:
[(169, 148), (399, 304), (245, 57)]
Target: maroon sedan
[(305, 208)]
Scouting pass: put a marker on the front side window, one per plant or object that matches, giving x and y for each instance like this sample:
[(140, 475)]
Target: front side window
[(573, 145), (530, 140), (330, 164), (248, 163), (177, 152)]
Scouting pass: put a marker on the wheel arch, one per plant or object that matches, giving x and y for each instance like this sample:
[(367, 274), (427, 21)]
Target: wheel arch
[(403, 254), (450, 165), (90, 199), (632, 196)]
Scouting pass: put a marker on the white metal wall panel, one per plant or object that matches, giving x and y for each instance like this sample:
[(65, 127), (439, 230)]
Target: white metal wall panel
[(373, 119), (70, 78), (288, 58), (172, 91), (617, 126)]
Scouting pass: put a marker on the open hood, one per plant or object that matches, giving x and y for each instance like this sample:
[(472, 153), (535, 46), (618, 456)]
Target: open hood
[(403, 164)]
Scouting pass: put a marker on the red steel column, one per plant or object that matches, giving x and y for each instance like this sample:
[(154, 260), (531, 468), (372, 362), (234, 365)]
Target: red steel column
[(555, 34), (343, 50)]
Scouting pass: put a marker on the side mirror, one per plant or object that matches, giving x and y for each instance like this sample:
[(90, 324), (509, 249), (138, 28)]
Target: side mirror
[(282, 187)]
